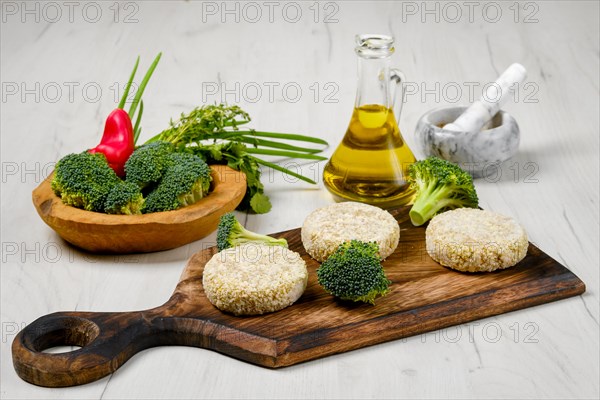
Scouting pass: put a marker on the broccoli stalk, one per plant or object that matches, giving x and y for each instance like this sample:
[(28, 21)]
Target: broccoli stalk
[(440, 186), (184, 182), (354, 272), (198, 191), (124, 198), (231, 233)]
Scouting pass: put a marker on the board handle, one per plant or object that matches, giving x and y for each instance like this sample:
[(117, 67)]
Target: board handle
[(107, 340)]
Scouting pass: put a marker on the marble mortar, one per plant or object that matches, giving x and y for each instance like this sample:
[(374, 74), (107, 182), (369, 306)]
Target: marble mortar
[(480, 153)]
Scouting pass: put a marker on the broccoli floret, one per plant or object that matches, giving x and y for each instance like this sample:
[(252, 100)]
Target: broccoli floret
[(124, 198), (440, 186), (184, 182), (231, 233), (148, 163), (83, 180), (354, 272)]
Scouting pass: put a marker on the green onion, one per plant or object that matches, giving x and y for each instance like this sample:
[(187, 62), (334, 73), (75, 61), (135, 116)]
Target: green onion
[(137, 128), (276, 145), (284, 170), (140, 91), (290, 136), (290, 154), (128, 85)]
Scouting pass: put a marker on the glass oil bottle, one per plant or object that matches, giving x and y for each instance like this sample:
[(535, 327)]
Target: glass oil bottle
[(371, 163)]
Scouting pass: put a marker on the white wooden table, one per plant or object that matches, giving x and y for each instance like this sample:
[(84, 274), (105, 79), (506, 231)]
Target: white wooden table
[(61, 66)]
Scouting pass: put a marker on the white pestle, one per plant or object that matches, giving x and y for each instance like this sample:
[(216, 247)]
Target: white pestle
[(495, 96)]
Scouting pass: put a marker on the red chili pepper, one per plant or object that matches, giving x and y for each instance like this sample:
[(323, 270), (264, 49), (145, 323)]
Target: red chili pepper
[(117, 142)]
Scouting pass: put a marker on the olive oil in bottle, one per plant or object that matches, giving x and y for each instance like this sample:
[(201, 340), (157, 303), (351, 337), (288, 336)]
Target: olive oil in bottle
[(370, 165)]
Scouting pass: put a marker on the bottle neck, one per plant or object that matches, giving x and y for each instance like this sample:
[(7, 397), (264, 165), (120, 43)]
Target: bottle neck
[(373, 82)]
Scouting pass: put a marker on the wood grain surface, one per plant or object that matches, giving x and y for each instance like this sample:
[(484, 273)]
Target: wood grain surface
[(424, 296), (122, 234)]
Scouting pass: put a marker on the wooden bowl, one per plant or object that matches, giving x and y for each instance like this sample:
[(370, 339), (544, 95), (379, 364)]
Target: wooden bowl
[(119, 234)]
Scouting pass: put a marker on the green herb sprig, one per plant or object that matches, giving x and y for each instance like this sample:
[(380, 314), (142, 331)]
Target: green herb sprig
[(217, 134)]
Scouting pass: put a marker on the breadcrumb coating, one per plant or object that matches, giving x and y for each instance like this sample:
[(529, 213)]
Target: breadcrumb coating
[(326, 228), (473, 240), (254, 279)]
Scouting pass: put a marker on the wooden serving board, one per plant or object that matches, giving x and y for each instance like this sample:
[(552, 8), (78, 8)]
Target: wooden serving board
[(424, 296)]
